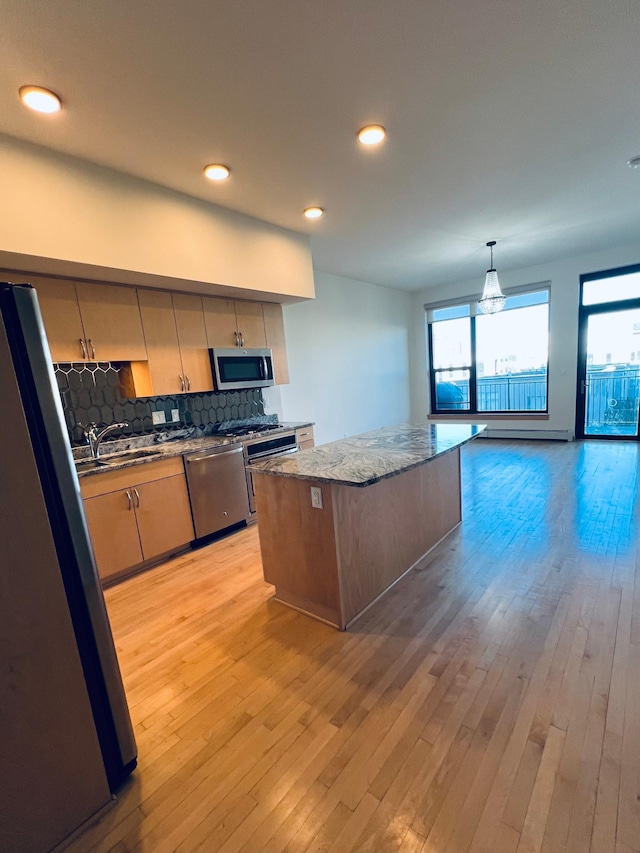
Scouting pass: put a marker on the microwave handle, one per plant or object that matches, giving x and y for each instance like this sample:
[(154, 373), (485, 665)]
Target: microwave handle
[(264, 369)]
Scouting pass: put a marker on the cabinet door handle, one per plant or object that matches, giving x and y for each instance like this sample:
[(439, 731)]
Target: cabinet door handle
[(130, 503), (241, 339), (237, 338), (137, 494), (83, 349), (181, 382), (188, 382), (92, 348)]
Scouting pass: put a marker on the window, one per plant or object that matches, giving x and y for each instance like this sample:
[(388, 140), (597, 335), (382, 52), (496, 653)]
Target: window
[(613, 288), (490, 363)]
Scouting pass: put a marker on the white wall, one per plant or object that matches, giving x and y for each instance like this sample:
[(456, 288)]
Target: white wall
[(564, 277), (65, 216), (348, 359)]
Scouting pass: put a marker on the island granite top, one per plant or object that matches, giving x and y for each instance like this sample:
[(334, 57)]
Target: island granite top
[(365, 459)]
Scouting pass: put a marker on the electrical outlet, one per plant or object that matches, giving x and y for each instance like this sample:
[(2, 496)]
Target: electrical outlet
[(158, 418), (175, 415), (316, 497)]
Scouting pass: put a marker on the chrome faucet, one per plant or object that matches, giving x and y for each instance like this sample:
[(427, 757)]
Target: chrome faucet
[(95, 436)]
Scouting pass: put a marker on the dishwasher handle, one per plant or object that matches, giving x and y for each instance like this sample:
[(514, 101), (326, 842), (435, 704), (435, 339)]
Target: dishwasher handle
[(236, 448)]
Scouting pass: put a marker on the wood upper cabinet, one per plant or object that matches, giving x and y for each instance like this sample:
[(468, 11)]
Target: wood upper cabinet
[(161, 335), (89, 322), (250, 324), (192, 337), (220, 322), (61, 317), (274, 330), (137, 514), (234, 323), (165, 335), (178, 358), (111, 320)]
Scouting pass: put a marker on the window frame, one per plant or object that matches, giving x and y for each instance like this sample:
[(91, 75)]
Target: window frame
[(434, 409)]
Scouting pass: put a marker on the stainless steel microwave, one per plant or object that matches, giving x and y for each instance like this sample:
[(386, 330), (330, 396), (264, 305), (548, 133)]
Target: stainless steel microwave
[(241, 368)]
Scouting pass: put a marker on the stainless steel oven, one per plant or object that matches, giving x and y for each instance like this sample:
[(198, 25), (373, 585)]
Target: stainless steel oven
[(261, 448)]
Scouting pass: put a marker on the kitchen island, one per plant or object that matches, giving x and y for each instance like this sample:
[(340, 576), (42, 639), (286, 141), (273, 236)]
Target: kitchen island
[(341, 523)]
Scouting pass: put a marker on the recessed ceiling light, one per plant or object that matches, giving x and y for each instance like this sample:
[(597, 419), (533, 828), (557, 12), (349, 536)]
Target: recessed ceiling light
[(313, 212), (372, 134), (217, 172), (39, 99), (634, 162)]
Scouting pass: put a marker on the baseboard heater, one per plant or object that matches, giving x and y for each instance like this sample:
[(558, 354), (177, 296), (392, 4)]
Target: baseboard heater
[(544, 434)]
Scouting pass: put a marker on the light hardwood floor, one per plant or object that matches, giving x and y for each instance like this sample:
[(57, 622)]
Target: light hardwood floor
[(489, 702)]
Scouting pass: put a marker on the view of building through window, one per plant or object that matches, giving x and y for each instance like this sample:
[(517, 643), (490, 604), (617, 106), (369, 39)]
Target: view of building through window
[(491, 363), (612, 356)]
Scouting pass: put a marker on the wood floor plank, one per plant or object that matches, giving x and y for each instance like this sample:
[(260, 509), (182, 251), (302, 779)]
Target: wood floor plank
[(535, 821), (489, 702)]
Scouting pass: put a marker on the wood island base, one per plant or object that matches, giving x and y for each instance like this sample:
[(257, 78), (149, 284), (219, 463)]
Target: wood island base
[(332, 563)]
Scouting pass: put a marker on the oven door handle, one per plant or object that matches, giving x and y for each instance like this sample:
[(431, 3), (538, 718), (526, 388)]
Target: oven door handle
[(263, 457), (215, 455)]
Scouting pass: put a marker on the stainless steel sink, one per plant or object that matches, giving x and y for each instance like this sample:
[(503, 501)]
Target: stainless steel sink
[(127, 455), (114, 459), (89, 464)]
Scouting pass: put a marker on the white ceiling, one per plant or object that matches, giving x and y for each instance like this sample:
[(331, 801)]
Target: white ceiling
[(509, 120)]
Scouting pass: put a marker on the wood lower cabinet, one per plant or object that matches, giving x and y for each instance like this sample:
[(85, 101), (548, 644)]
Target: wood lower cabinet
[(305, 437), (114, 532), (163, 514), (137, 514)]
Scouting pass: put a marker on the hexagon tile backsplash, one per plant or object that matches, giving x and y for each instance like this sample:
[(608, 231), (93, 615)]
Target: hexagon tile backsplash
[(90, 393)]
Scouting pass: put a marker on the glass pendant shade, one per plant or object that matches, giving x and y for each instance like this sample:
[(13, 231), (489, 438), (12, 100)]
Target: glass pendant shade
[(493, 299)]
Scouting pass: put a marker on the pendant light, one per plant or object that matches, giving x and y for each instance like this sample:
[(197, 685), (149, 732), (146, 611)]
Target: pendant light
[(492, 297)]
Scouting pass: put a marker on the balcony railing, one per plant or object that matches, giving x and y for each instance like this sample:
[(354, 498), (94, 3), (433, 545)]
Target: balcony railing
[(517, 392), (612, 398)]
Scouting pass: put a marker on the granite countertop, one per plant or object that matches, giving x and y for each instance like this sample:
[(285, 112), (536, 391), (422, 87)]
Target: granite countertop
[(121, 453), (365, 459)]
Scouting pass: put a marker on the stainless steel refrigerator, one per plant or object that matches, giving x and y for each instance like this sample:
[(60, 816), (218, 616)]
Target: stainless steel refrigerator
[(66, 740)]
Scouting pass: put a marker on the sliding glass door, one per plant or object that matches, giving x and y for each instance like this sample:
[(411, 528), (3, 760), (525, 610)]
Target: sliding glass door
[(609, 356)]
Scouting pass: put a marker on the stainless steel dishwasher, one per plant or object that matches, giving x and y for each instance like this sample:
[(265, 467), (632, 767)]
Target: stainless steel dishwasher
[(217, 488)]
